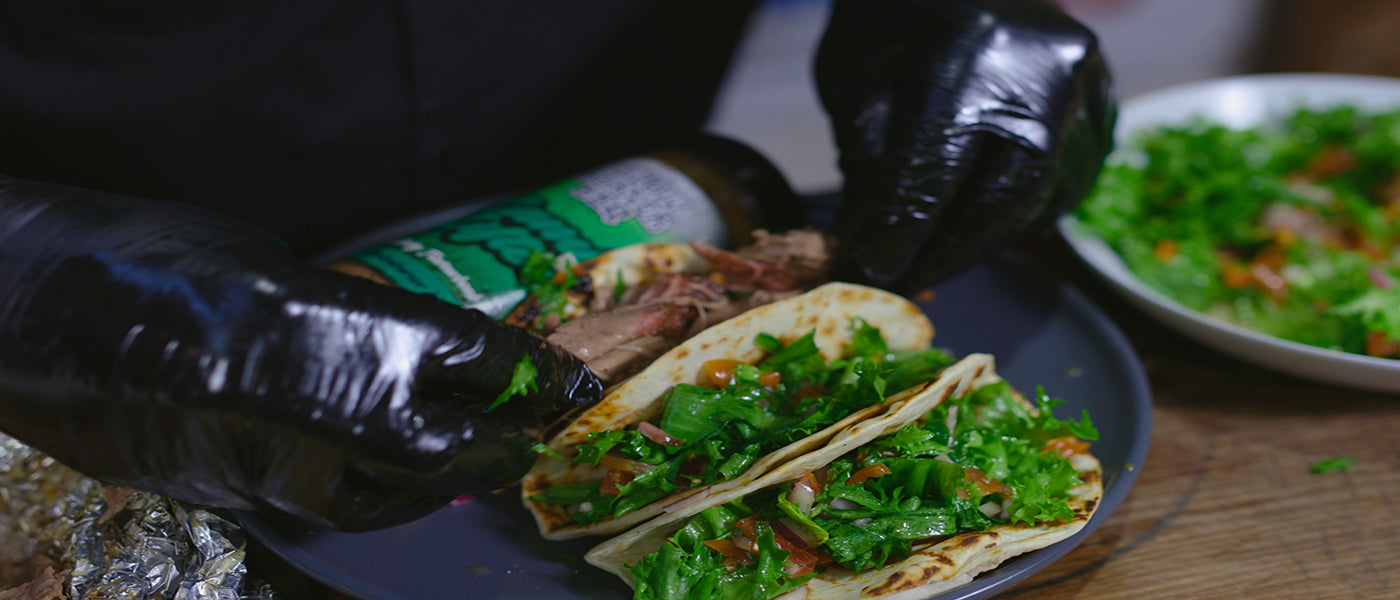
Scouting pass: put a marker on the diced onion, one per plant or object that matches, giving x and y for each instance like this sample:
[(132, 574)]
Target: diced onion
[(719, 372), (625, 465), (1380, 278), (843, 504), (792, 530), (804, 492), (990, 509), (658, 435)]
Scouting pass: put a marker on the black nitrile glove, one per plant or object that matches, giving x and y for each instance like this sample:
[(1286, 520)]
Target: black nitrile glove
[(155, 346), (961, 125)]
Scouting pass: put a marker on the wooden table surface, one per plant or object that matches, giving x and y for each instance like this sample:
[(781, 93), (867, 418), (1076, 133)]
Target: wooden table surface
[(1225, 505)]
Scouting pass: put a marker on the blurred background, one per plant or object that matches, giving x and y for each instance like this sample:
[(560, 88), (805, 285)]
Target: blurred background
[(770, 102)]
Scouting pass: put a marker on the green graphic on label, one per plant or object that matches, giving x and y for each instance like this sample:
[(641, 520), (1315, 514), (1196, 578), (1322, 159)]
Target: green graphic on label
[(475, 261)]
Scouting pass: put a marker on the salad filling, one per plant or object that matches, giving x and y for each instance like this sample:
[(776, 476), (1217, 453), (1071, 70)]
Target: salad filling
[(978, 461), (715, 429), (1292, 230)]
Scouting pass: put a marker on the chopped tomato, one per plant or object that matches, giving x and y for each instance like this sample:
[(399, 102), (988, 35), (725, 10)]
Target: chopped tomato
[(1378, 344), (719, 372), (746, 526), (1235, 276), (799, 562), (1065, 446), (985, 483), (1332, 160), (810, 481), (732, 553), (770, 379), (613, 479), (1271, 256), (1166, 250), (870, 472), (1372, 250), (625, 465)]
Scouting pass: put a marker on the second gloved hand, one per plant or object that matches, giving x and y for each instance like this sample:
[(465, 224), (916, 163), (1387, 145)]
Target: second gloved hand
[(961, 125), (159, 347)]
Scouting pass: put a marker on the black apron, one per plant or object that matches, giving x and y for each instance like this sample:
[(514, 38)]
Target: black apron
[(320, 119)]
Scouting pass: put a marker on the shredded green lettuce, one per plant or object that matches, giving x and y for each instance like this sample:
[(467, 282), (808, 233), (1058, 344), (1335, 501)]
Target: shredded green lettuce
[(724, 431), (926, 495), (1333, 465), (1291, 229), (522, 382), (546, 277)]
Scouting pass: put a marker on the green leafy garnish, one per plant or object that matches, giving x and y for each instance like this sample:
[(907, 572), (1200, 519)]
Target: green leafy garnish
[(724, 431), (685, 568), (925, 486), (522, 382), (546, 277), (1333, 465), (1291, 229)]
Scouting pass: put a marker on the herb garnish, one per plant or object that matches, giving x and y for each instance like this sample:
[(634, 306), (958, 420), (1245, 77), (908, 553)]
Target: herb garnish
[(1291, 229), (522, 382), (546, 277), (722, 431), (1333, 465), (998, 463)]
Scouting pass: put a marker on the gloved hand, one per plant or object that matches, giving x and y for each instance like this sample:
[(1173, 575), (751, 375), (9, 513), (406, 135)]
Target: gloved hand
[(960, 125), (155, 346)]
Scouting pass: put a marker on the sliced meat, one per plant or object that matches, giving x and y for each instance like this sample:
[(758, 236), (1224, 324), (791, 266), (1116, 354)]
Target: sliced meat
[(628, 359), (787, 261), (646, 321), (594, 335)]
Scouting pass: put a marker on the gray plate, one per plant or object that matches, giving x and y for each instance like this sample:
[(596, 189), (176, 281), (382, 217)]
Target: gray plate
[(1043, 332)]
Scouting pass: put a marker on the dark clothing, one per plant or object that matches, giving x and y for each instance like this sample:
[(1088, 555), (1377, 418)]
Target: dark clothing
[(319, 119)]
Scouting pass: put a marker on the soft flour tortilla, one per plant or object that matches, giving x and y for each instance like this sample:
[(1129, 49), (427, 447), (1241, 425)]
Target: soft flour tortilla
[(931, 569), (827, 310)]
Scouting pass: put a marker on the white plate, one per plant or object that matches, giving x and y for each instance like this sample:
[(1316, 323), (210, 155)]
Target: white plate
[(1242, 102)]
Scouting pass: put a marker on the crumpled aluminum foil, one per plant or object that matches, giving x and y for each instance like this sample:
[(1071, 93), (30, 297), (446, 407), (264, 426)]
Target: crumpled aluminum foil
[(116, 544)]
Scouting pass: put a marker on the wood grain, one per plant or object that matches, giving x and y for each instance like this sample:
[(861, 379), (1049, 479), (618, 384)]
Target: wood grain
[(1226, 505)]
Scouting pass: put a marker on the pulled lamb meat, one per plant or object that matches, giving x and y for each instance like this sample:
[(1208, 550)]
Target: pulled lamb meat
[(651, 319), (780, 262), (594, 335)]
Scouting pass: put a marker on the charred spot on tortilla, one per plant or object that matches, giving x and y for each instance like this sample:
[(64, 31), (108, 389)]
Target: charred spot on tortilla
[(897, 581)]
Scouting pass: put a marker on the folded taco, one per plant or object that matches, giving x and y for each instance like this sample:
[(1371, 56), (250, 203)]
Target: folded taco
[(727, 405), (948, 483)]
